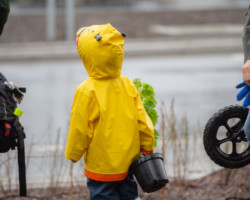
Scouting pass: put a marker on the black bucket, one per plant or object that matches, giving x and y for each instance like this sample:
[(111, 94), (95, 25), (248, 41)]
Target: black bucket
[(150, 172)]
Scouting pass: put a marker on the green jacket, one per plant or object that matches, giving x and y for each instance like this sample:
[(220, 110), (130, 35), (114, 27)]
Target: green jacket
[(4, 12), (246, 37)]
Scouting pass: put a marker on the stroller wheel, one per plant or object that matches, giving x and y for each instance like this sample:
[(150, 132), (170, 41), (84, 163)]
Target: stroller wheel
[(224, 138)]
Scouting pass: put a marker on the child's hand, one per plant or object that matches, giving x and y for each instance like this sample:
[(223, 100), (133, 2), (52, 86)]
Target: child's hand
[(244, 93)]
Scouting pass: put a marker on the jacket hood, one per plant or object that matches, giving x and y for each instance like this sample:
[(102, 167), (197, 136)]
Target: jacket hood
[(101, 48)]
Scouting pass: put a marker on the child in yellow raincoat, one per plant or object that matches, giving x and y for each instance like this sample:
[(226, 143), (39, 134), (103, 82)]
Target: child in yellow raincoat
[(108, 123)]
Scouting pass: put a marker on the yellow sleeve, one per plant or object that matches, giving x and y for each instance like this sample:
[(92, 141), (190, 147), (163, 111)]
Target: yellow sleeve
[(145, 125), (81, 128)]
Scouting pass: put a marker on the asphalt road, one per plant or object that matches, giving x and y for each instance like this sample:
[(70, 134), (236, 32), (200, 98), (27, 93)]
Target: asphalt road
[(199, 85)]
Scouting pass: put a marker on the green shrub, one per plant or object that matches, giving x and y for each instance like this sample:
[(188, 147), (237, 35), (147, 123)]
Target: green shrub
[(147, 95)]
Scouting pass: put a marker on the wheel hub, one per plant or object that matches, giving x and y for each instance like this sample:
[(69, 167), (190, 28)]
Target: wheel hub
[(236, 137)]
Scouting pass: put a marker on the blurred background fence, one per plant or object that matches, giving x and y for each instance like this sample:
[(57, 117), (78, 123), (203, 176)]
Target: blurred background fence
[(42, 20)]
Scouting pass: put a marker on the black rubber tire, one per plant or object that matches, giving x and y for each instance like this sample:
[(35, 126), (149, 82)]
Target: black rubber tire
[(233, 134)]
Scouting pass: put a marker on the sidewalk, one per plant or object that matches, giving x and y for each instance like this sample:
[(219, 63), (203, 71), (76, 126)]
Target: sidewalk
[(191, 5), (174, 40)]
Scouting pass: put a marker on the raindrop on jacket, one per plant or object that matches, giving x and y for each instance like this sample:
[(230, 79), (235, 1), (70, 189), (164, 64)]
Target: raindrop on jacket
[(108, 123)]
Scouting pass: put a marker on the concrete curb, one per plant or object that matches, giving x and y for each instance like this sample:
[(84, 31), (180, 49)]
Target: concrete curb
[(176, 40), (146, 47)]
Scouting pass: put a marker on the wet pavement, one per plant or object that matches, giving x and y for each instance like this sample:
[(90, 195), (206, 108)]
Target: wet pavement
[(199, 85)]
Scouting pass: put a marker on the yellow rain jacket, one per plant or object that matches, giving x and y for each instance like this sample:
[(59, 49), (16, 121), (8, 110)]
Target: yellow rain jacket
[(108, 123)]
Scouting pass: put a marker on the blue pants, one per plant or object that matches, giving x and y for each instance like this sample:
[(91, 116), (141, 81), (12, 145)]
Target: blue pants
[(247, 128), (118, 190)]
